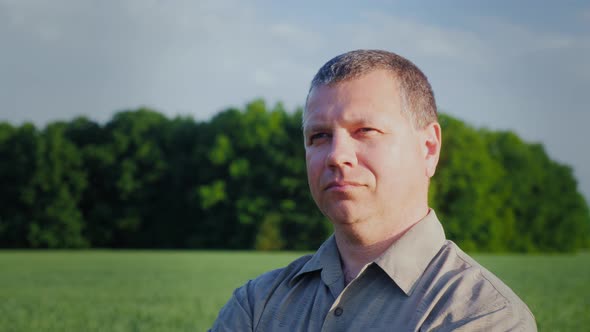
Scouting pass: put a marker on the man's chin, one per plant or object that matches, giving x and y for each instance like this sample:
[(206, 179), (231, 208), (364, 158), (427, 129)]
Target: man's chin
[(343, 212)]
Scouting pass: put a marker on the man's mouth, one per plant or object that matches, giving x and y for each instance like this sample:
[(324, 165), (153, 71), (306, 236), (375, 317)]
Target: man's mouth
[(341, 185)]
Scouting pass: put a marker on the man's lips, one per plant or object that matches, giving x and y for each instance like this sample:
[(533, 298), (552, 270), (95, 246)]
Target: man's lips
[(341, 185)]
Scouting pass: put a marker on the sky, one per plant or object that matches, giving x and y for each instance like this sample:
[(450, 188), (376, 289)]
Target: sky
[(505, 65)]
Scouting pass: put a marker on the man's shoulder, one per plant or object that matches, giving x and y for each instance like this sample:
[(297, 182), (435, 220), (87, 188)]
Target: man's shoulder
[(465, 286), (245, 307), (472, 271), (259, 289), (281, 275)]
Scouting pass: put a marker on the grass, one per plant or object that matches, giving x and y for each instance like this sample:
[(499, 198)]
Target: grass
[(555, 287), (184, 290)]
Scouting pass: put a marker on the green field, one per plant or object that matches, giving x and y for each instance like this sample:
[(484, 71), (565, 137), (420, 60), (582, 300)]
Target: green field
[(183, 290)]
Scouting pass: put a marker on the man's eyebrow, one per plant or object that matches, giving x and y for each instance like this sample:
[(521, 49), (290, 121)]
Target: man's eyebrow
[(352, 122), (316, 128)]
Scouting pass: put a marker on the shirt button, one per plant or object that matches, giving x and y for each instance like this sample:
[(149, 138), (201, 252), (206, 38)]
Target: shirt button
[(338, 312)]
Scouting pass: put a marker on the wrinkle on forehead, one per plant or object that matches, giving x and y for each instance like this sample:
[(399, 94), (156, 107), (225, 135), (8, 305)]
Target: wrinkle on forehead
[(350, 116), (340, 94)]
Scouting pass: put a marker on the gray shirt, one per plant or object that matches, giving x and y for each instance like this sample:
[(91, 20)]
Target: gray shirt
[(423, 282)]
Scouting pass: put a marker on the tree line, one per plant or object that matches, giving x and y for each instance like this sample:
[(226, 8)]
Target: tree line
[(237, 181)]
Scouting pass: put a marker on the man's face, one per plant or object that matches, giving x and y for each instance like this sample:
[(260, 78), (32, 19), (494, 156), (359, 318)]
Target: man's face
[(365, 160)]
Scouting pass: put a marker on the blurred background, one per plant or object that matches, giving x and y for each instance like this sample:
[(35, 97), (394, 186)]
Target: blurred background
[(155, 124), (520, 66), (176, 125)]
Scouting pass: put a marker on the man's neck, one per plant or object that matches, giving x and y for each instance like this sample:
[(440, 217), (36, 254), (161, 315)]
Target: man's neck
[(362, 243)]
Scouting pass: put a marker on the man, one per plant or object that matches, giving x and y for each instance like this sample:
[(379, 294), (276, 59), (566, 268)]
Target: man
[(372, 144)]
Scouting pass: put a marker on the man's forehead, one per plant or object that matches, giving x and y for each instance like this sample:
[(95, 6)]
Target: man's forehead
[(352, 102), (366, 83), (326, 118), (320, 115)]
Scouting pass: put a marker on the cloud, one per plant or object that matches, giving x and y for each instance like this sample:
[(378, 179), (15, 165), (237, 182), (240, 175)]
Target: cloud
[(421, 39), (191, 57)]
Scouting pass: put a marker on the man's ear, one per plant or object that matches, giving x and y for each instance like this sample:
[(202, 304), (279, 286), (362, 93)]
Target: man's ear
[(432, 140)]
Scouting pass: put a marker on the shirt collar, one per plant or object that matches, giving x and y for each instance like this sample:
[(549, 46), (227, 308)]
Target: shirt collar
[(407, 258), (404, 262), (326, 259)]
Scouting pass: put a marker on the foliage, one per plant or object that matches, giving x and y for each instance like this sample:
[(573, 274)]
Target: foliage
[(238, 181)]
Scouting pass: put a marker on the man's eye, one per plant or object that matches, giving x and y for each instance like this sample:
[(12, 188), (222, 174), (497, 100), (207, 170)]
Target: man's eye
[(366, 130), (318, 136)]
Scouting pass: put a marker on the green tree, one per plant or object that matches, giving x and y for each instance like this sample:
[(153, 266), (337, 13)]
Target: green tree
[(258, 155), (18, 146), (135, 175), (54, 191), (542, 194), (239, 181), (463, 191)]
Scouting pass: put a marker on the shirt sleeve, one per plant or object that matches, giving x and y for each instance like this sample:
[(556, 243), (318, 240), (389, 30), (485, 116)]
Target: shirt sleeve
[(506, 319), (236, 314), (479, 302)]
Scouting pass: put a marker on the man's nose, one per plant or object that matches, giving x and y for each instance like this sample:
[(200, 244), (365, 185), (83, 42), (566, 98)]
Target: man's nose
[(342, 151)]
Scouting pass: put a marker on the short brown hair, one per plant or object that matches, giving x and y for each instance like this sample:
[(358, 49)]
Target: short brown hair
[(415, 90)]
